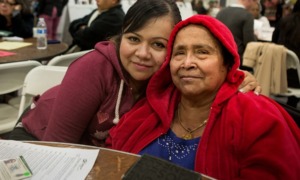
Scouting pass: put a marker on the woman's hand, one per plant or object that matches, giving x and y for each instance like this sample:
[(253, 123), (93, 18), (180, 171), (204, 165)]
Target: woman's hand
[(249, 84)]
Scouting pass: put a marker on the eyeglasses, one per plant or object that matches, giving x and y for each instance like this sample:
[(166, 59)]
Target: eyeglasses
[(8, 3)]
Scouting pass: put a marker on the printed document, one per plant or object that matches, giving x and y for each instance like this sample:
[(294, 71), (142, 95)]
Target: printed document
[(48, 162)]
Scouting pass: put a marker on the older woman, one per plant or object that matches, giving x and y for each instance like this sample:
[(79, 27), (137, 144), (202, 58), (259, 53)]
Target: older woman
[(195, 116)]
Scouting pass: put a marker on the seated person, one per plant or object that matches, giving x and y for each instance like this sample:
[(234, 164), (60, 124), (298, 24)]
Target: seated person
[(260, 21), (213, 8), (255, 10), (241, 24), (16, 18), (101, 24), (193, 114), (198, 7)]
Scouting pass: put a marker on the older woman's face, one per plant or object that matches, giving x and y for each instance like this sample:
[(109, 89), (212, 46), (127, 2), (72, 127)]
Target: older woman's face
[(197, 63)]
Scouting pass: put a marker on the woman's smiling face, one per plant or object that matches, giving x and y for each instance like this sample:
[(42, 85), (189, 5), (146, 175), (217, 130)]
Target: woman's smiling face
[(142, 52)]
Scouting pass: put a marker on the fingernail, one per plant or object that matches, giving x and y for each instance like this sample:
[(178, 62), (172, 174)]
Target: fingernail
[(241, 90), (257, 93)]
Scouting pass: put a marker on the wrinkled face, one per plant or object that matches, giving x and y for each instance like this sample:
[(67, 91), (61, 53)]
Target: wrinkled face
[(142, 52), (196, 63), (105, 4), (7, 7)]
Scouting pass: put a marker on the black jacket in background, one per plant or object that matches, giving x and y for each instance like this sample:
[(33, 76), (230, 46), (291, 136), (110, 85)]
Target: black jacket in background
[(106, 25), (22, 25)]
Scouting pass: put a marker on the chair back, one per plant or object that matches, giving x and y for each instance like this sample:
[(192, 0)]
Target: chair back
[(12, 75), (292, 61), (66, 59), (40, 79)]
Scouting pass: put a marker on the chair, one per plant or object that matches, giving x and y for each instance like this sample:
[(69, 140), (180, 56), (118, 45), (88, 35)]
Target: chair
[(12, 77), (292, 62), (40, 79), (66, 59)]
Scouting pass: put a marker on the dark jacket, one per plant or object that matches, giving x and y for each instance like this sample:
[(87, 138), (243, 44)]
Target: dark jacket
[(22, 25), (240, 22), (106, 25), (46, 6), (287, 32)]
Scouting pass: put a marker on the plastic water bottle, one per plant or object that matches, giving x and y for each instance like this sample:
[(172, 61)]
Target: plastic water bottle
[(41, 34)]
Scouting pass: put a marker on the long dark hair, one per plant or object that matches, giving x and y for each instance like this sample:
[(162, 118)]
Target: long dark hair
[(142, 11)]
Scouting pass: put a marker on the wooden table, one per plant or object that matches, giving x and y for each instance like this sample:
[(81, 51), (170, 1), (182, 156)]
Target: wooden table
[(110, 164), (32, 53)]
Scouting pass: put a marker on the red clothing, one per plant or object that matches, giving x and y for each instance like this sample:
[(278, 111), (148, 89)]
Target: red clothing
[(82, 108), (246, 137)]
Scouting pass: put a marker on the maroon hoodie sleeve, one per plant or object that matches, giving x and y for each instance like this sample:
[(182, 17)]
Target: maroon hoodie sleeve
[(77, 101)]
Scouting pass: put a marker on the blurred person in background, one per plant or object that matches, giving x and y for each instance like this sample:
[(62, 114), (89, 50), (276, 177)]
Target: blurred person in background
[(272, 9), (51, 11), (260, 22), (213, 8), (101, 24), (255, 10), (198, 7), (16, 18), (241, 24), (287, 33)]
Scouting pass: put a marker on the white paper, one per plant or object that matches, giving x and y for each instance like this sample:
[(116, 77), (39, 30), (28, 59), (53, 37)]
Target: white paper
[(8, 45), (48, 162), (263, 32), (14, 38)]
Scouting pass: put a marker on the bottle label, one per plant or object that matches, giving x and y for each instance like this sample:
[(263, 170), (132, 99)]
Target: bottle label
[(41, 31)]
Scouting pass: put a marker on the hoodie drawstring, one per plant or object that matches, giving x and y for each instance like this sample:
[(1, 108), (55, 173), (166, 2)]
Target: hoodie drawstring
[(117, 115)]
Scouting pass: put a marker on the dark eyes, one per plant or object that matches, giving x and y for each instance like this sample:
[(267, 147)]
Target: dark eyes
[(155, 44), (159, 45), (197, 52), (201, 51), (133, 39), (177, 53)]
